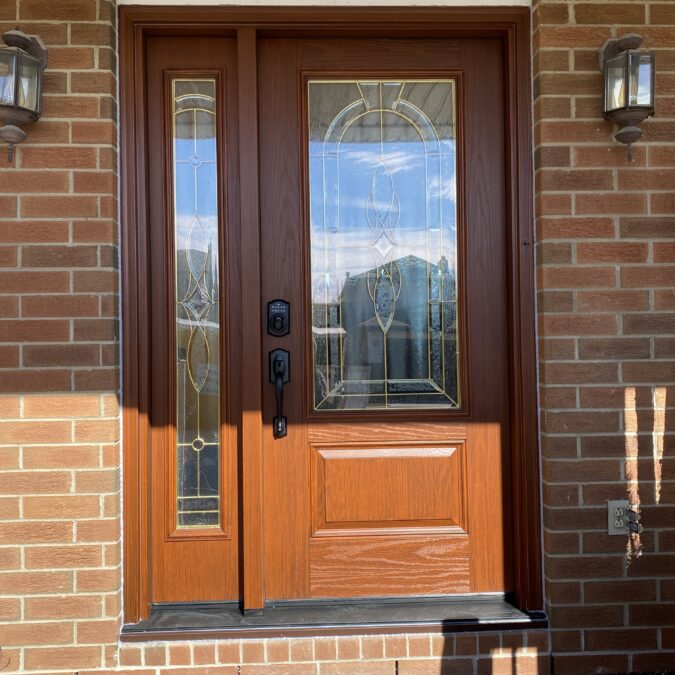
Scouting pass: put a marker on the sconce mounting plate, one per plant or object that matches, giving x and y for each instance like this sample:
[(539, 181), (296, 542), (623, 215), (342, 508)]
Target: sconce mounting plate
[(614, 46)]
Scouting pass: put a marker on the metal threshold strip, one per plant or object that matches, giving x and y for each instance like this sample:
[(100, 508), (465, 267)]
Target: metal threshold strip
[(480, 612)]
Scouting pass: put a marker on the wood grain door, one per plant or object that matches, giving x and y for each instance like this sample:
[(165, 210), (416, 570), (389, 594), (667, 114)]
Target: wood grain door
[(382, 183), (193, 289)]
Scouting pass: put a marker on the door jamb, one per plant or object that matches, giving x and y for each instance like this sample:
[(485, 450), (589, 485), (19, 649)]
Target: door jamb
[(137, 23)]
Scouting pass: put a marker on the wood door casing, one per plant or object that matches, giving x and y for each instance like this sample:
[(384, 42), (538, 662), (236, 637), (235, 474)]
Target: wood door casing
[(191, 564), (144, 420), (398, 554)]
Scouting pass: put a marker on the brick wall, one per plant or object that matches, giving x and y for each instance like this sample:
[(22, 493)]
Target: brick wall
[(606, 252), (59, 457)]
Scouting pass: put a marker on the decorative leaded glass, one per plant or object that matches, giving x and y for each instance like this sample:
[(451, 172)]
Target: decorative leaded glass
[(382, 182), (197, 307)]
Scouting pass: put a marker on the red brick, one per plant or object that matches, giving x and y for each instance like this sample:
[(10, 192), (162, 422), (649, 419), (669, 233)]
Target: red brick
[(664, 251), (94, 82), (97, 632), (652, 614), (94, 281), (34, 331), (566, 641), (575, 518), (100, 379), (95, 329), (572, 664), (95, 133), (618, 13), (578, 179), (611, 202), (67, 10), (579, 373), (97, 580), (63, 607), (646, 179), (60, 306), (583, 617), (102, 182), (9, 357), (579, 277), (71, 58), (66, 557), (34, 181), (92, 34), (33, 231), (662, 202), (648, 276), (608, 252), (58, 158), (654, 565), (647, 227), (553, 204), (623, 590), (61, 355), (56, 457), (59, 256), (553, 107), (34, 282), (599, 349), (649, 324), (606, 156), (94, 231), (612, 301), (65, 506), (63, 657), (656, 662), (575, 324), (582, 470), (552, 155), (62, 206), (67, 107), (36, 634), (564, 592), (35, 532)]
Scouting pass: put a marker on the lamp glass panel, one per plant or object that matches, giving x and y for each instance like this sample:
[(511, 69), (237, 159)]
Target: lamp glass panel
[(29, 78), (640, 74), (7, 75), (615, 84)]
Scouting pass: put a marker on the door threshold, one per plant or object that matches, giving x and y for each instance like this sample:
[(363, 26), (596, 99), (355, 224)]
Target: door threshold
[(445, 614)]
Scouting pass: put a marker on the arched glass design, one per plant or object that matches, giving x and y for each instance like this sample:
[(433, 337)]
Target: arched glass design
[(197, 303), (383, 230)]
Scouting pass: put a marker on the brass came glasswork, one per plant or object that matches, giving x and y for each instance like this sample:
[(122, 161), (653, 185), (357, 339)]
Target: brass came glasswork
[(197, 303), (382, 182)]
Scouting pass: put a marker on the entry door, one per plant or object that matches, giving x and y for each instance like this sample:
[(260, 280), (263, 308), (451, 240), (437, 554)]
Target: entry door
[(383, 227)]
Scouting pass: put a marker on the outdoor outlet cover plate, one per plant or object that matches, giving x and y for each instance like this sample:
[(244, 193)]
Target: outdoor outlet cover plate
[(617, 515)]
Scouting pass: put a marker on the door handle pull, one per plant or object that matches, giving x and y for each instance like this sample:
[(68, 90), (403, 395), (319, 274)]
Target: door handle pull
[(280, 375)]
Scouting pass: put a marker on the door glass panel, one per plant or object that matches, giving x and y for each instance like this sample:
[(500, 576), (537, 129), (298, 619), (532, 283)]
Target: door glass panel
[(382, 191), (197, 309)]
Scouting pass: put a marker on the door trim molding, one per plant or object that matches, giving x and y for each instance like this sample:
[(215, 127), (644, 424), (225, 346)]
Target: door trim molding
[(137, 24)]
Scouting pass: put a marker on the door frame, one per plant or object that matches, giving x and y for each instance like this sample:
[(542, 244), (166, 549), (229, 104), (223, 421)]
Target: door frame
[(137, 24)]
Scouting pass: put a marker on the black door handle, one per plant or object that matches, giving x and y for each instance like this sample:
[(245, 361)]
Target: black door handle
[(280, 374)]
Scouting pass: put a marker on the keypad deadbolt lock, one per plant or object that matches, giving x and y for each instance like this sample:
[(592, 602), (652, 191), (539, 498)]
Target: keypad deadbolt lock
[(278, 318)]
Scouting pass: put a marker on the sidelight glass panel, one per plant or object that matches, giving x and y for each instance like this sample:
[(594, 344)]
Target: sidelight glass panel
[(383, 222), (197, 306)]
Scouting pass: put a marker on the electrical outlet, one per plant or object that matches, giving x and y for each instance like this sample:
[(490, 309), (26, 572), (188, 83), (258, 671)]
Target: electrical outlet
[(617, 511)]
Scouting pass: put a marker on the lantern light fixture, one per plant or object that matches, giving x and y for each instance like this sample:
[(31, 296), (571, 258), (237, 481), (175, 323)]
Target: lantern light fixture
[(22, 61), (628, 77)]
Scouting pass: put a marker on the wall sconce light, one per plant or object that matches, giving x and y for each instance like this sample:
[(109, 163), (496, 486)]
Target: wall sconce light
[(21, 64), (628, 74)]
